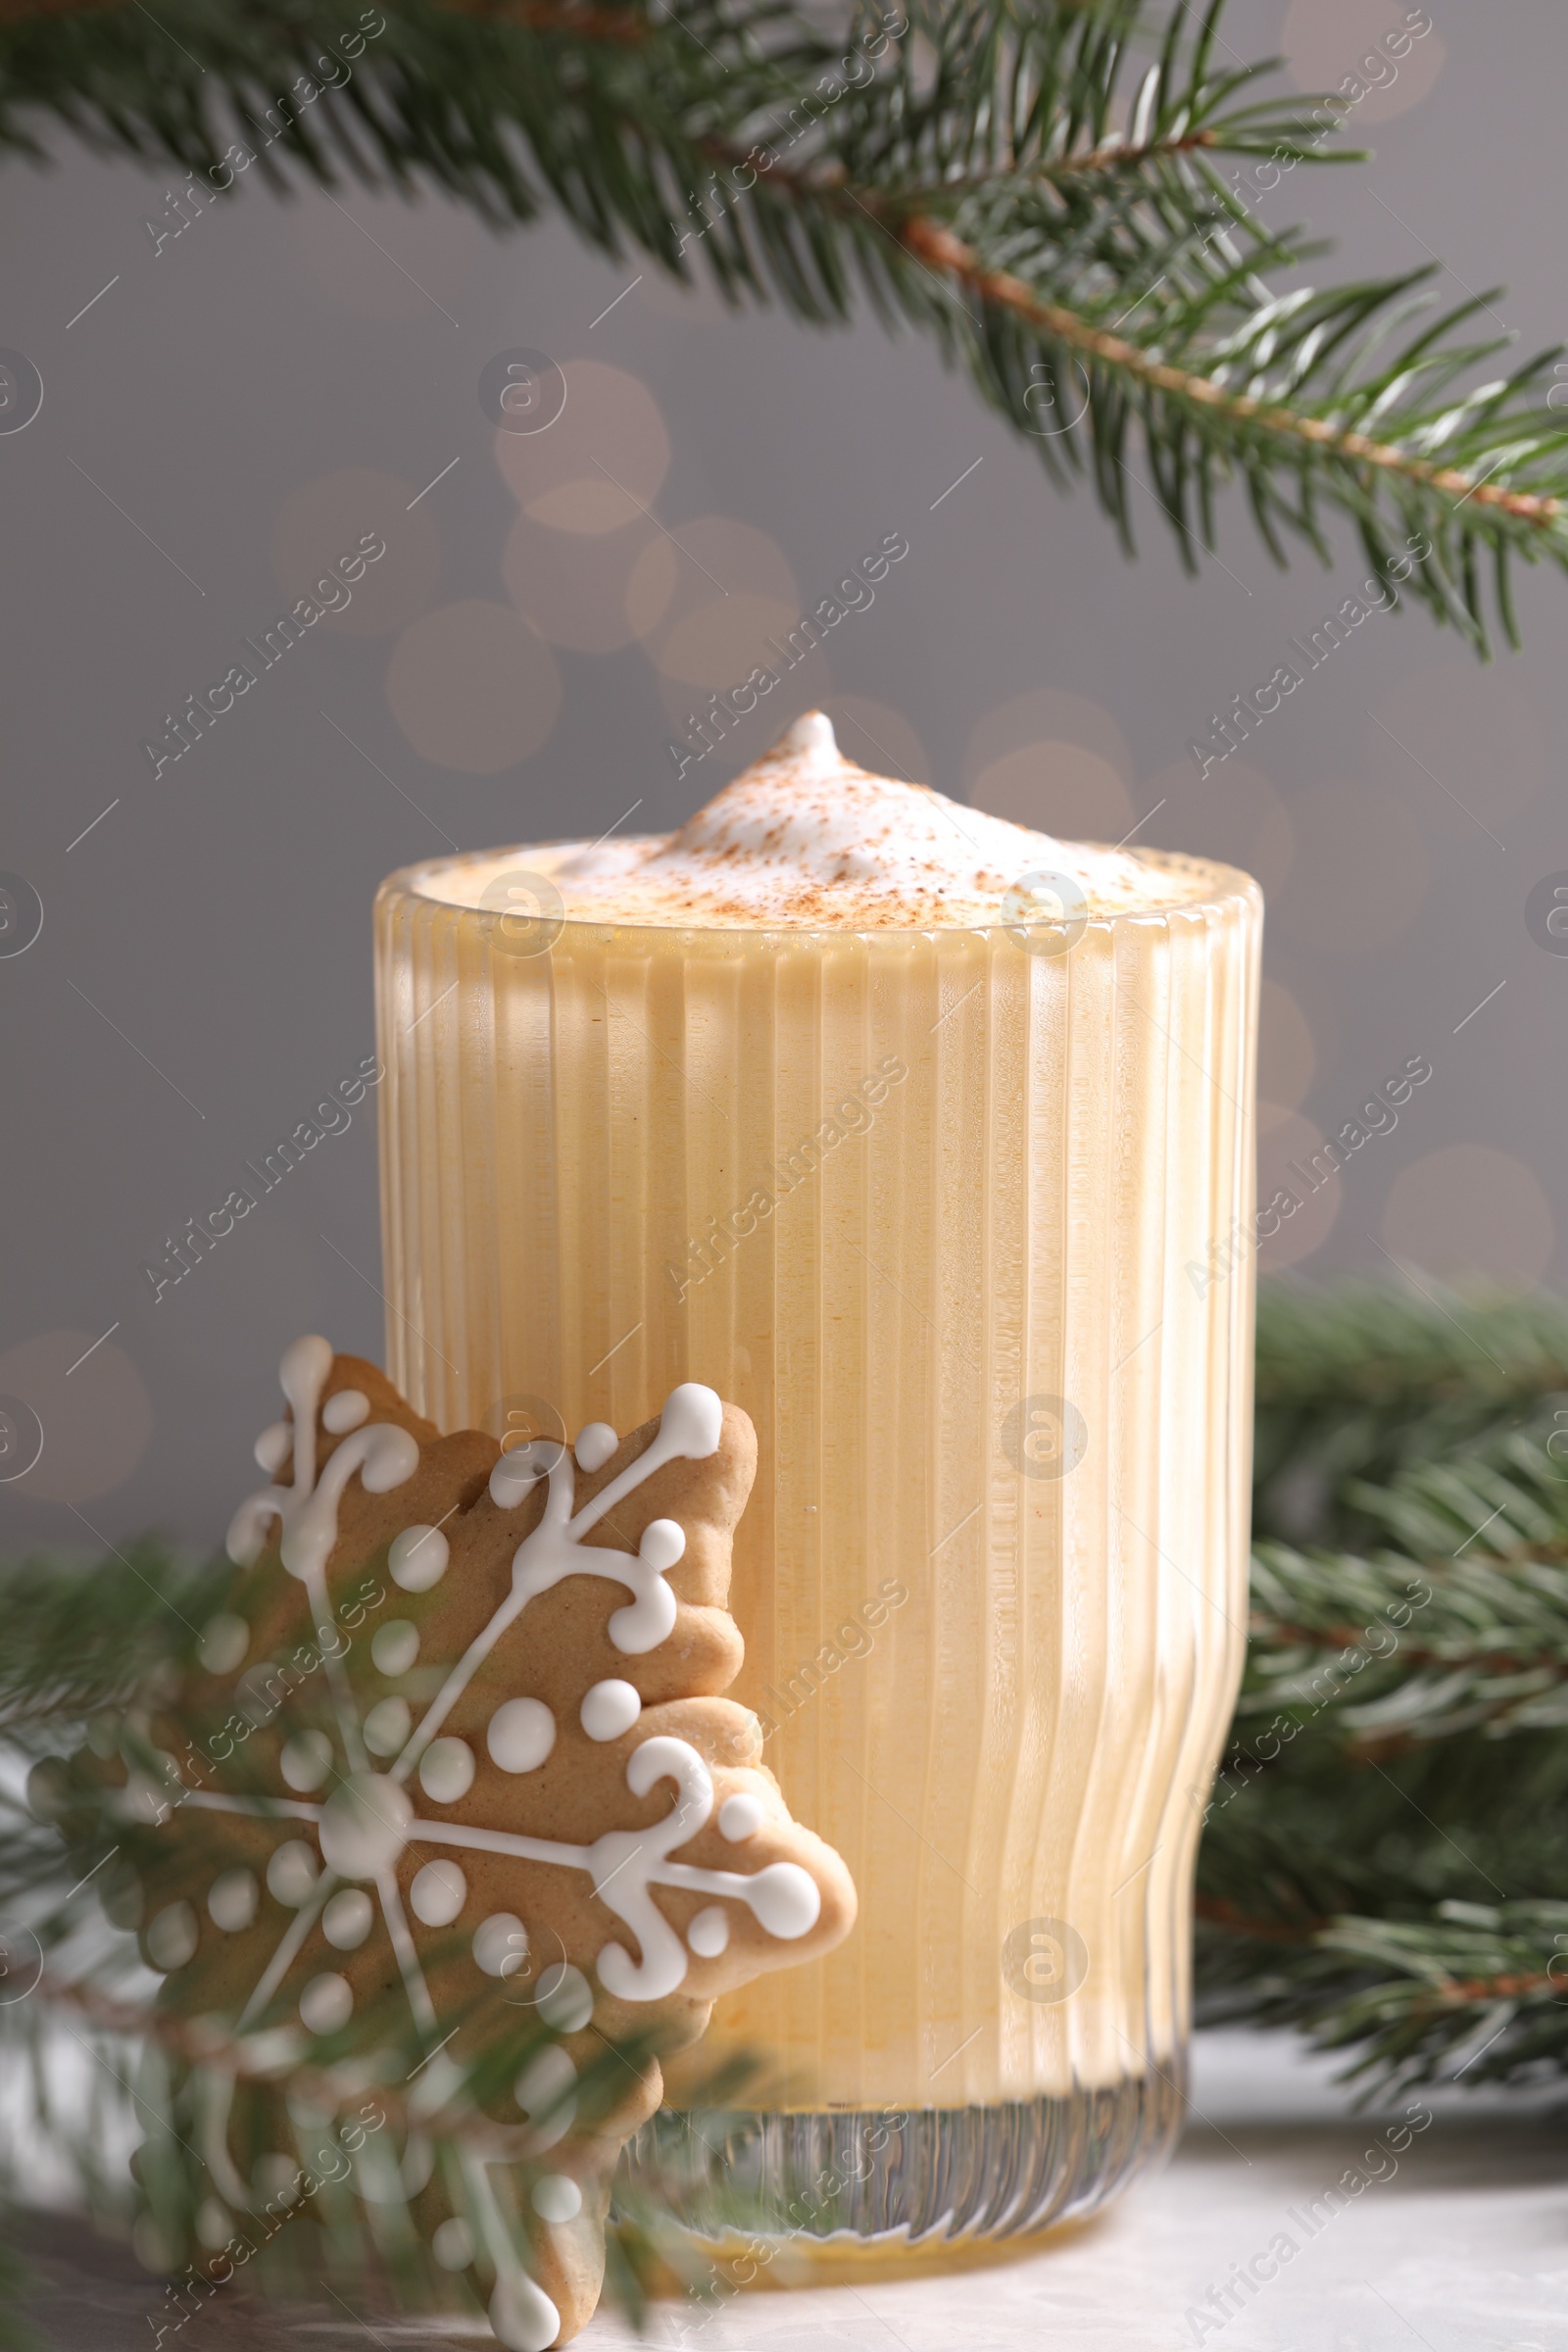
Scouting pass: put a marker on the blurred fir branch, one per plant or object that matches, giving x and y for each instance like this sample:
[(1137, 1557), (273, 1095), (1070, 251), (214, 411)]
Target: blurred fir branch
[(1385, 1859), (1383, 1865), (232, 2136), (1041, 186)]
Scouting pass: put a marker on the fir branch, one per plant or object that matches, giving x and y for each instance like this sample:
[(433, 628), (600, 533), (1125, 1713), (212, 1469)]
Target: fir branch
[(330, 2090), (1474, 1993), (1357, 1381), (937, 246), (1385, 1859), (81, 1638), (1036, 188)]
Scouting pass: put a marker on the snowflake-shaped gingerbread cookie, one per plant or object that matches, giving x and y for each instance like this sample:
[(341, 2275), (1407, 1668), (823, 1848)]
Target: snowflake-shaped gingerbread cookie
[(517, 1781)]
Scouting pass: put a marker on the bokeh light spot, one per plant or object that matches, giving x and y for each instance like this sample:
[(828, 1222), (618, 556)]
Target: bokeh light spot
[(602, 461), (472, 687), (96, 1417), (1469, 1210)]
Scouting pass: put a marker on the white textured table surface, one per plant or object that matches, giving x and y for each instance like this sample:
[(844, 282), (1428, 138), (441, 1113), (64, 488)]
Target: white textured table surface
[(1460, 2242)]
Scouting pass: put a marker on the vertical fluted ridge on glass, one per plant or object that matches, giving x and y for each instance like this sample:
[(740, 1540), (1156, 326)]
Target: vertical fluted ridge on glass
[(1024, 1166)]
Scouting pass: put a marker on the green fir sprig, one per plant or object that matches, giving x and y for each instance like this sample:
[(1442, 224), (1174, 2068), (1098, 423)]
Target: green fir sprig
[(1040, 186), (276, 2153), (1385, 1859), (1384, 1865)]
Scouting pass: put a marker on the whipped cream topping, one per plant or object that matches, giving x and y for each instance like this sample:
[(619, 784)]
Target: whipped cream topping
[(806, 839)]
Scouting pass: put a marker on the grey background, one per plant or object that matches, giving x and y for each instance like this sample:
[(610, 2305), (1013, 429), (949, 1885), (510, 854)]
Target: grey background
[(204, 970)]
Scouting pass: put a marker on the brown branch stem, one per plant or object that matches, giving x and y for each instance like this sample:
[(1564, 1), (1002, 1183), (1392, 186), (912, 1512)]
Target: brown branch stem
[(941, 249)]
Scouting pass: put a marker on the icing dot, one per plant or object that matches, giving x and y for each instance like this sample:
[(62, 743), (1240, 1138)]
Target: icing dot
[(566, 1996), (274, 1447), (521, 1734), (305, 1760), (693, 1420), (387, 1726), (260, 1691), (785, 1899), (273, 2177), (326, 2004), (451, 2243), (225, 1639), (438, 1893), (664, 1541), (418, 1558), (343, 1413), (346, 1921), (215, 2224), (501, 1945), (292, 1873), (143, 1798), (611, 1709), (231, 1903), (365, 1825), (547, 2088), (438, 2082), (709, 1933), (522, 2315), (171, 1935), (740, 1817), (596, 1444), (446, 1770), (557, 2198), (518, 1471), (395, 1646)]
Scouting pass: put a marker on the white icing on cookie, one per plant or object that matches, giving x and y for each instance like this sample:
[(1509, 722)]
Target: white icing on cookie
[(740, 1816), (326, 2004), (418, 1558), (383, 1454), (305, 1760), (387, 1727), (172, 1937), (225, 1639), (365, 1825), (611, 1709), (501, 1945), (232, 1900), (565, 1998), (522, 2315), (451, 2243), (347, 1920), (595, 1446), (394, 1647), (709, 1932), (292, 1873), (343, 1413), (557, 2198), (274, 1447), (521, 1734), (368, 1816), (438, 1893), (446, 1771), (547, 2092)]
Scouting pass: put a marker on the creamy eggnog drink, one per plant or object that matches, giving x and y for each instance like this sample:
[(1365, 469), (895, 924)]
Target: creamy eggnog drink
[(925, 1138)]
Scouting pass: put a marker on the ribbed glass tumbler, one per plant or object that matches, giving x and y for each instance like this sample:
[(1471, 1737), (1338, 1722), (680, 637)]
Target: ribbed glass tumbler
[(958, 1218)]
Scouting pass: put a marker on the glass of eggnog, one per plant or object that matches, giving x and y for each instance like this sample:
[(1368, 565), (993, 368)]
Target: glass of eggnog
[(928, 1140)]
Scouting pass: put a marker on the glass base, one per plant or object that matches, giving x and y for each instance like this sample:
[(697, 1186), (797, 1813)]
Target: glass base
[(822, 2183)]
